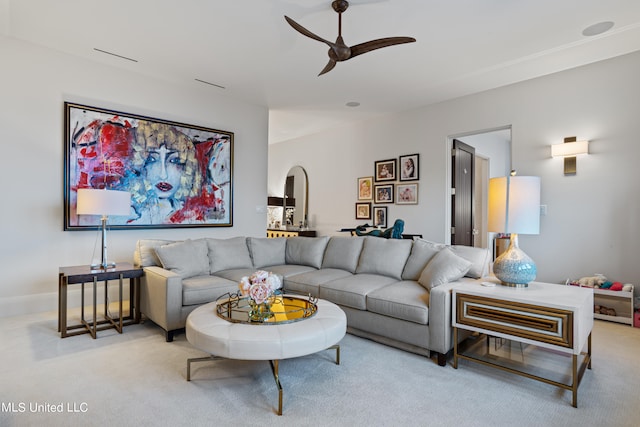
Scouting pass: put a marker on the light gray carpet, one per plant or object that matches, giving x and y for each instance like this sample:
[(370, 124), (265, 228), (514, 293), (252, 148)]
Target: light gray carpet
[(138, 379)]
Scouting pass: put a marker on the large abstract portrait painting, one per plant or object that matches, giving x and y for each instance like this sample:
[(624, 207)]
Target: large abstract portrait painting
[(178, 175)]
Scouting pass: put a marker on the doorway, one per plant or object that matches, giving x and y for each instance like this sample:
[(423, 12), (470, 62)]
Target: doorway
[(492, 158), (462, 193)]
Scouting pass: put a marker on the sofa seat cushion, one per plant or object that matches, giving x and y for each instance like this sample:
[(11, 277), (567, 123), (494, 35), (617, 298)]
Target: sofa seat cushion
[(309, 282), (352, 291), (405, 300), (235, 274), (204, 289), (286, 270)]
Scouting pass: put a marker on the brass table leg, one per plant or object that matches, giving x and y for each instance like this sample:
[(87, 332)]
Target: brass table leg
[(199, 359), (274, 369), (337, 348), (455, 348)]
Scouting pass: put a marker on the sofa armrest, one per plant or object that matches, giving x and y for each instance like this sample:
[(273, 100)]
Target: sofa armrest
[(161, 297), (440, 329)]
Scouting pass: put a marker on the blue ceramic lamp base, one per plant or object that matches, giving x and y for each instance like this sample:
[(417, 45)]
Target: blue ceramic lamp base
[(514, 267)]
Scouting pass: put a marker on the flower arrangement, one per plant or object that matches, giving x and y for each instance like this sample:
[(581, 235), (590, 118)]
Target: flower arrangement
[(260, 286)]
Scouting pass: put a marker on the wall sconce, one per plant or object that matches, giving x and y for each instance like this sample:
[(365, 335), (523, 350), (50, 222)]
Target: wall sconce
[(569, 150)]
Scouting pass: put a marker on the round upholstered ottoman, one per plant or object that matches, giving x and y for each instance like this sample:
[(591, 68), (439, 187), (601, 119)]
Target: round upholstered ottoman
[(212, 334)]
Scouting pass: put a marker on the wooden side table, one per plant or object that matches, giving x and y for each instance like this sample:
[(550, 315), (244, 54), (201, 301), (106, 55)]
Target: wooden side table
[(556, 320), (85, 274)]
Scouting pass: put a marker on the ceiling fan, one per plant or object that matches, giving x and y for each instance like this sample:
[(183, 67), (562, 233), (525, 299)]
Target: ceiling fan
[(339, 51)]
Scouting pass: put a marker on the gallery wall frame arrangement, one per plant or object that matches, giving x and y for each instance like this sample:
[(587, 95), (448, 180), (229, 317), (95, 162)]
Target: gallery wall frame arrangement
[(363, 210), (409, 166), (407, 194), (383, 193), (385, 170), (365, 188), (179, 175), (380, 216)]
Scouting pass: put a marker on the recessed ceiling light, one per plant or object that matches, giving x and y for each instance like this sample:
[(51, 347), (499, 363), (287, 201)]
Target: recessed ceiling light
[(352, 104), (599, 28)]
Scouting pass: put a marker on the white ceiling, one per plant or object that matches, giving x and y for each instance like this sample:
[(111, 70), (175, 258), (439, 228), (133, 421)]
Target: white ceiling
[(246, 46)]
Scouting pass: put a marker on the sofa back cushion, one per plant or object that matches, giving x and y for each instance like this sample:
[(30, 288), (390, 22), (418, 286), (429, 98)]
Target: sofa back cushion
[(266, 252), (343, 253), (478, 257), (187, 258), (384, 256), (145, 253), (421, 253), (228, 254), (306, 250)]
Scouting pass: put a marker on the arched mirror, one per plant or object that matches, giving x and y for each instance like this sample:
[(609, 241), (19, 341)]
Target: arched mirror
[(296, 199)]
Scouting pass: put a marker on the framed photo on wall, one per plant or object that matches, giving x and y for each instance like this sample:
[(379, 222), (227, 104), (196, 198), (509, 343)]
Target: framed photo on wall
[(385, 170), (363, 210), (365, 188), (178, 175), (407, 194), (383, 193), (380, 216), (409, 166)]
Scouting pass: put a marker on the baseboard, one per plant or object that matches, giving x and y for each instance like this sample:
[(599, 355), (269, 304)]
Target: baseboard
[(28, 304), (39, 303)]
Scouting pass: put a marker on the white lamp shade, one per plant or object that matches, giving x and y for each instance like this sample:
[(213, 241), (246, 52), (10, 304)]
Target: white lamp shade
[(93, 201), (514, 204), (570, 149)]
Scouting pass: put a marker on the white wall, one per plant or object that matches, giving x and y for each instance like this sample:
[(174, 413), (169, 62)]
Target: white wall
[(34, 83), (592, 222)]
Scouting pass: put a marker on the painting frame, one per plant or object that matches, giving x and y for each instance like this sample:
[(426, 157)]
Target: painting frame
[(363, 210), (383, 193), (380, 216), (179, 175), (407, 194), (365, 188), (385, 170), (409, 167)]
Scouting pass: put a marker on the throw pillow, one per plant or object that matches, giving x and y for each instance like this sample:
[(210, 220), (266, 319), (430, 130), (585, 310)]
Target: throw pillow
[(188, 258), (421, 253), (478, 257), (443, 268), (267, 252), (306, 250), (228, 254)]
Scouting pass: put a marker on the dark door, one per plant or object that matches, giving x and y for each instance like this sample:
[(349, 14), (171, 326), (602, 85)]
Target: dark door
[(462, 160)]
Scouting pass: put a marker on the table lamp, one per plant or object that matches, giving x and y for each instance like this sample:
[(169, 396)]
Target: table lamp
[(92, 201), (514, 207)]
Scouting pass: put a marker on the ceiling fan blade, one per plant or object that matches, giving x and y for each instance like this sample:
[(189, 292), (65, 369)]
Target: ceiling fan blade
[(302, 30), (328, 67), (365, 47)]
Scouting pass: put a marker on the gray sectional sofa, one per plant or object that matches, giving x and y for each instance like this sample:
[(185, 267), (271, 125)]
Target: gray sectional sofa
[(393, 291)]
